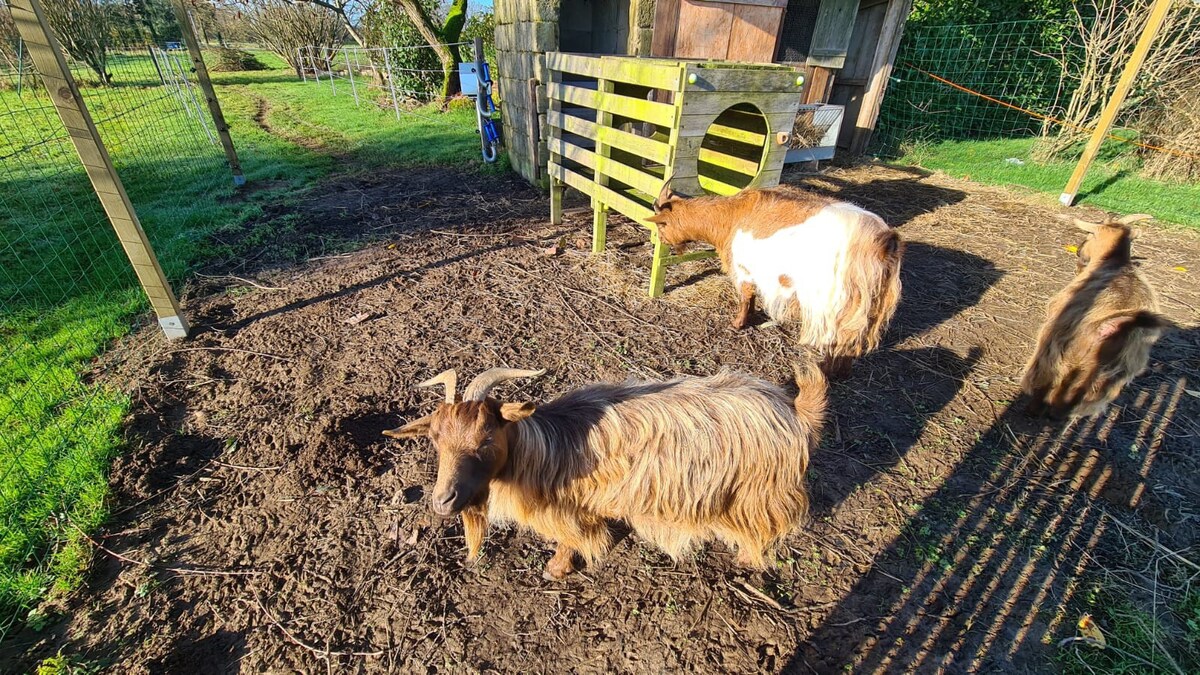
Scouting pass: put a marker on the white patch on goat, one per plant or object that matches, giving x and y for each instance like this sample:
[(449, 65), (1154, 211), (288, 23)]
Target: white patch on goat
[(814, 256)]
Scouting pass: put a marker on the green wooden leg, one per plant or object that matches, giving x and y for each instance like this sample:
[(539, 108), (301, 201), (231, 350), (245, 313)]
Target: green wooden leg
[(556, 197), (658, 271), (599, 226)]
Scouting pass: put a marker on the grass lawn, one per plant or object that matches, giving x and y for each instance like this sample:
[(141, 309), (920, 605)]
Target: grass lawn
[(66, 290), (1111, 184)]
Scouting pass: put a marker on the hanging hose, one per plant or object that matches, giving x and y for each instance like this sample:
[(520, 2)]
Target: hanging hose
[(484, 107)]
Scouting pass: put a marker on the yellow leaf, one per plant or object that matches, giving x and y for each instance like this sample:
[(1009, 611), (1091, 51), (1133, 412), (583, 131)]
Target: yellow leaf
[(1072, 248), (391, 247), (1089, 630), (1179, 268)]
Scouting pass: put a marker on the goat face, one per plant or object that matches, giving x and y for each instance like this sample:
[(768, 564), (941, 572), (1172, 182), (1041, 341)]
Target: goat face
[(665, 206), (1105, 240), (471, 438)]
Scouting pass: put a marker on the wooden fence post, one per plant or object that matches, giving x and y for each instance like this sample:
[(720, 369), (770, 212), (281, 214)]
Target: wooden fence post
[(210, 96), (47, 56), (1158, 13)]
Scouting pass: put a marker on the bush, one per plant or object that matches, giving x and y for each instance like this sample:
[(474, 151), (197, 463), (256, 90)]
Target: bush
[(235, 61)]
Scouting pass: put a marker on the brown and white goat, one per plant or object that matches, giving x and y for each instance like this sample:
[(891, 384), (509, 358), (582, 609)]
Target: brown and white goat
[(1098, 330), (680, 461), (829, 266)]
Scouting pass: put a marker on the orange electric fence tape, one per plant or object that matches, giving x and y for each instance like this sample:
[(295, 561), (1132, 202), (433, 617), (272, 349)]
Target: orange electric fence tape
[(1177, 153)]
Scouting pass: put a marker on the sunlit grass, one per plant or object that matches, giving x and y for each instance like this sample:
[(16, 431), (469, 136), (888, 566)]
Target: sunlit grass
[(67, 292), (1113, 185)]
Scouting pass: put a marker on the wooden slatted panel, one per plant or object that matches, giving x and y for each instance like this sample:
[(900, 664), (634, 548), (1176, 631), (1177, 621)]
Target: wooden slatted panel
[(646, 72), (645, 147), (645, 182), (634, 108), (617, 200)]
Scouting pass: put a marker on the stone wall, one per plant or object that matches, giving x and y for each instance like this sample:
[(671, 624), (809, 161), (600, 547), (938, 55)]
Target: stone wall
[(525, 31)]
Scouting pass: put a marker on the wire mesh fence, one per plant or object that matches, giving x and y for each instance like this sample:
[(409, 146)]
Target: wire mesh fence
[(1050, 79), (399, 78), (67, 289)]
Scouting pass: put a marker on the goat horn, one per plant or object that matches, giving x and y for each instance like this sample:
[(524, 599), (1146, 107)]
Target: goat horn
[(446, 377), (483, 383), (666, 188), (1134, 218)]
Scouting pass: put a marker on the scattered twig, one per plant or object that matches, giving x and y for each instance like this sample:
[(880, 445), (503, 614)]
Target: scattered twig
[(228, 349), (243, 280), (1153, 543), (294, 639), (176, 570), (248, 468), (1089, 641)]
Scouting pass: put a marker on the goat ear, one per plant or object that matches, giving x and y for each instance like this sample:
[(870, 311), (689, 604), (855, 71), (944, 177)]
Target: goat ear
[(414, 429), (515, 412), (657, 219)]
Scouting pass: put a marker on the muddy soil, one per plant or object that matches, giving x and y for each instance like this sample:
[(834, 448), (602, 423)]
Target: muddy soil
[(271, 528)]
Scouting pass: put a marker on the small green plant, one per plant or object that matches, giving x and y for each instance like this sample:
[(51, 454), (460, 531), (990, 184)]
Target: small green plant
[(67, 664)]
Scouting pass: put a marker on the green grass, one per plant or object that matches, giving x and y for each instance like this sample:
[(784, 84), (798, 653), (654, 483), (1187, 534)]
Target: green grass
[(67, 293), (1138, 642), (1111, 184)]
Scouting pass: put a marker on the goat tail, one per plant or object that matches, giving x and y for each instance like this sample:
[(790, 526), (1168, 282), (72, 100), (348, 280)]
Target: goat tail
[(887, 292), (872, 284), (1128, 319), (811, 399)]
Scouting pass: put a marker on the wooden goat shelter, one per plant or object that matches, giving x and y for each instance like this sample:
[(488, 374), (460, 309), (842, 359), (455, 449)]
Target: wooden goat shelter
[(619, 126)]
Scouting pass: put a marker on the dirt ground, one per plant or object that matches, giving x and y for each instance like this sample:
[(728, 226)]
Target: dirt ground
[(263, 524)]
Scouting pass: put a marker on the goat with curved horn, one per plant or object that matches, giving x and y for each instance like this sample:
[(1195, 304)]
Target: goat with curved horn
[(446, 377), (479, 387)]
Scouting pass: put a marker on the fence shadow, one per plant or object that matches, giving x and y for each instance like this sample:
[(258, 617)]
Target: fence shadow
[(987, 576)]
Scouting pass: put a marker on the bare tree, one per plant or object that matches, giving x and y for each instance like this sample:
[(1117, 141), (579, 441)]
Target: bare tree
[(343, 9), (82, 27), (284, 27), (1108, 30)]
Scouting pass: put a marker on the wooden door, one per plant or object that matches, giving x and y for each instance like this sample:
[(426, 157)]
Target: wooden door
[(734, 30)]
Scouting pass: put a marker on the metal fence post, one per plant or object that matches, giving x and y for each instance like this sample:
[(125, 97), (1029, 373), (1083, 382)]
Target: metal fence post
[(47, 56), (312, 60), (329, 65), (350, 71), (210, 96), (391, 82)]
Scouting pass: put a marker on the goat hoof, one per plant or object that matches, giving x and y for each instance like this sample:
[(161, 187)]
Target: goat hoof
[(740, 324)]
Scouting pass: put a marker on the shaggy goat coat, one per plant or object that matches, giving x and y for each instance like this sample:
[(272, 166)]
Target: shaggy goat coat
[(1098, 330), (830, 267), (681, 461)]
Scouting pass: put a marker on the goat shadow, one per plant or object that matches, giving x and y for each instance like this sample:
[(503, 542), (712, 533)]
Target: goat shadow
[(879, 413), (979, 578)]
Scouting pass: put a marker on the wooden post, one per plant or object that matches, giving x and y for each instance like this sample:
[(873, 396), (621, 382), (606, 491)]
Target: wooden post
[(881, 71), (658, 267), (210, 95), (599, 225), (47, 56), (1158, 13)]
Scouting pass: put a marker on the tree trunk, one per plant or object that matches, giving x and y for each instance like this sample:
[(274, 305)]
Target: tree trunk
[(437, 38)]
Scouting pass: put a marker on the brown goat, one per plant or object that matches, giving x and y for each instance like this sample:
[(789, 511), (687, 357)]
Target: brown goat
[(1098, 330), (681, 461), (829, 266)]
